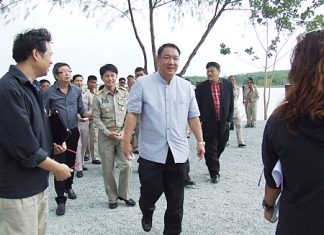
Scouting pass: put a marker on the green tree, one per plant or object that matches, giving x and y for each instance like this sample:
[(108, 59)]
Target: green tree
[(279, 19)]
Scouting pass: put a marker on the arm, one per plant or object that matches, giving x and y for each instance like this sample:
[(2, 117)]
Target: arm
[(60, 171), (194, 124), (129, 127), (270, 197)]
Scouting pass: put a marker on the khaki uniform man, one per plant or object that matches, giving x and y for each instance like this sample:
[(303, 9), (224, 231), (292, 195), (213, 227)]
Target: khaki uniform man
[(109, 111)]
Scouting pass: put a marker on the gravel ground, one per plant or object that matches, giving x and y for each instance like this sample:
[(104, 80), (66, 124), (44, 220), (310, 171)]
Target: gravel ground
[(233, 206)]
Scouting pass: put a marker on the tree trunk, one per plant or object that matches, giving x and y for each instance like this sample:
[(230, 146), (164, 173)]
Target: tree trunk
[(137, 36), (152, 34)]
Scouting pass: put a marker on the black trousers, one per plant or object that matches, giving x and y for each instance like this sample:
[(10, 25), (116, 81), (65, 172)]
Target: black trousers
[(156, 178), (214, 148), (68, 157)]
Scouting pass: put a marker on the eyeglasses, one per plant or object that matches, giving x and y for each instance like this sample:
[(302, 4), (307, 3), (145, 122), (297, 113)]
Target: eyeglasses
[(64, 71)]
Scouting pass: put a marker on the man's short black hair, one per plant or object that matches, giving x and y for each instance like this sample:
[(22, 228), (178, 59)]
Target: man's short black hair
[(108, 67), (139, 69), (76, 76), (44, 81), (213, 64), (92, 78), (29, 40), (168, 45), (57, 66), (122, 79)]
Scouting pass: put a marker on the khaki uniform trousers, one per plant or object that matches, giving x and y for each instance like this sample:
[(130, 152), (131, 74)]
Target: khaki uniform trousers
[(93, 141), (24, 216), (237, 120), (251, 113), (111, 152), (82, 145)]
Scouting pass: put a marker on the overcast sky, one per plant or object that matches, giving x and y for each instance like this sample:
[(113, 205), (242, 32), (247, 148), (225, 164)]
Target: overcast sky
[(87, 45)]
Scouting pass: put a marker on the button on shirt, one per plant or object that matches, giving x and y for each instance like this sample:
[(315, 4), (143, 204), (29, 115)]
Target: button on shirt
[(109, 110), (164, 110), (69, 105)]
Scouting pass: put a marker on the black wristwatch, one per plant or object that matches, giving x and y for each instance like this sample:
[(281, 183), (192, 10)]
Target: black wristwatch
[(266, 206)]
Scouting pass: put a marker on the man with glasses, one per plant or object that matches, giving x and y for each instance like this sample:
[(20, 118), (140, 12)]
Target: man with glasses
[(67, 99)]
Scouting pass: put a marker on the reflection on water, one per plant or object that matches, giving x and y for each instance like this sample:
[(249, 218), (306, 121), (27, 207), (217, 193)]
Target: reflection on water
[(276, 96)]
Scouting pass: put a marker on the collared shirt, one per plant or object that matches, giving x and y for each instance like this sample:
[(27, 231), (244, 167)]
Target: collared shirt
[(109, 109), (216, 93), (25, 137), (164, 111), (69, 105)]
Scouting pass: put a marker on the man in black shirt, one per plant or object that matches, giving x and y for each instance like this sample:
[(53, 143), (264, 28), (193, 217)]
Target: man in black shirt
[(25, 139)]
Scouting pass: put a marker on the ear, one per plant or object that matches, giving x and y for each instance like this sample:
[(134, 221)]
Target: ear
[(35, 54)]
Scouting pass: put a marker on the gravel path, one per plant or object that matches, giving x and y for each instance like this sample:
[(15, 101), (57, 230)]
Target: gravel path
[(233, 206)]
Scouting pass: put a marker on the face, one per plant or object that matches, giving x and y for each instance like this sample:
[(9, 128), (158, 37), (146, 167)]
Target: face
[(109, 78), (130, 81), (78, 81), (64, 74), (232, 80), (250, 83), (44, 60), (92, 85), (168, 62), (122, 83), (44, 86), (139, 74), (213, 74)]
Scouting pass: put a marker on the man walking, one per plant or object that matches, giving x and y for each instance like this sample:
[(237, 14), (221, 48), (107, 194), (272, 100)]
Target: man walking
[(215, 101), (67, 99), (163, 144), (25, 139)]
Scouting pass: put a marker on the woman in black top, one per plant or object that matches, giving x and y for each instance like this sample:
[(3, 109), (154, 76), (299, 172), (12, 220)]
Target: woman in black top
[(294, 135)]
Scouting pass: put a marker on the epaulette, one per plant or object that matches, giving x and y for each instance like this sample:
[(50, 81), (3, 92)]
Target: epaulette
[(99, 92)]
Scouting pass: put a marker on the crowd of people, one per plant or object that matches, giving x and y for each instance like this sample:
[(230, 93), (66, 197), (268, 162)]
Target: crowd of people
[(124, 117)]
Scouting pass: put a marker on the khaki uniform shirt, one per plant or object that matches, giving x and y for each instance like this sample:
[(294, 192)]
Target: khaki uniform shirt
[(109, 110)]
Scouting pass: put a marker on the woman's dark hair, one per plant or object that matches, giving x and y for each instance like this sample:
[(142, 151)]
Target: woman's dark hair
[(305, 96)]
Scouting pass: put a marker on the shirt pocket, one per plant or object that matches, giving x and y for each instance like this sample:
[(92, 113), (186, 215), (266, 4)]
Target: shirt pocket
[(106, 110), (122, 103)]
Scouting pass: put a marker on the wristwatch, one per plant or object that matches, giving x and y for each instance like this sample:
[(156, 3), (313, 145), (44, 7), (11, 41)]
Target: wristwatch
[(201, 142), (266, 206)]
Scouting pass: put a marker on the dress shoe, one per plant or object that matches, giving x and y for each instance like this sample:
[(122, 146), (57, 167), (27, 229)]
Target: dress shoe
[(79, 174), (215, 178), (96, 162), (71, 194), (242, 145), (113, 205), (136, 152), (85, 168), (60, 210), (190, 182), (129, 202), (147, 223), (86, 158)]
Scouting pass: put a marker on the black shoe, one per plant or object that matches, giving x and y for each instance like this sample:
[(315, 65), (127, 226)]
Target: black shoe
[(113, 205), (96, 162), (71, 194), (215, 178), (147, 223), (136, 152), (242, 145), (190, 182), (79, 174), (86, 158), (84, 168), (129, 202), (60, 210)]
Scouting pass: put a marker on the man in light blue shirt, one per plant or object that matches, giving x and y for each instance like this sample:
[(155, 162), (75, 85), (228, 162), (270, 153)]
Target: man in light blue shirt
[(165, 104)]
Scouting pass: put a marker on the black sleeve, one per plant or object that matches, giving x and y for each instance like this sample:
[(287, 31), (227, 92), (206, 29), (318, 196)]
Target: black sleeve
[(269, 156), (17, 135)]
